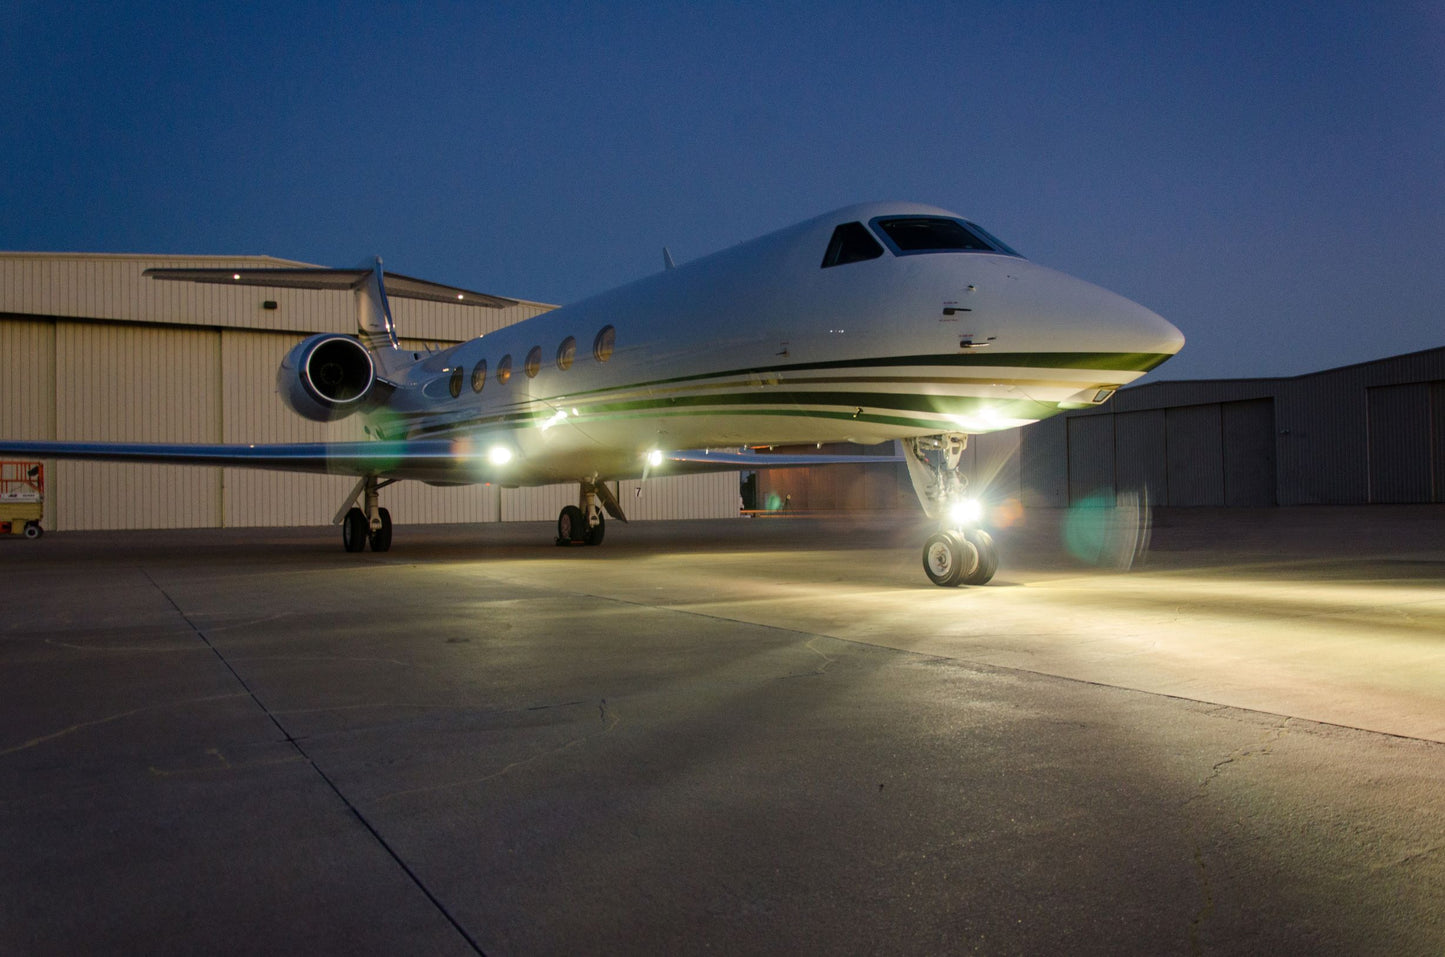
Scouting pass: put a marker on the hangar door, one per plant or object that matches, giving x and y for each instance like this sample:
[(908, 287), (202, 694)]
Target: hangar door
[(1406, 435)]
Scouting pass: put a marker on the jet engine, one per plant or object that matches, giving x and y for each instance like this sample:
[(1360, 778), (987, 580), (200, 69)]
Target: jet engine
[(326, 377)]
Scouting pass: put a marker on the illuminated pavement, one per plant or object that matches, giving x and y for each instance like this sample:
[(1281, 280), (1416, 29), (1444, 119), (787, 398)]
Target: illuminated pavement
[(734, 737)]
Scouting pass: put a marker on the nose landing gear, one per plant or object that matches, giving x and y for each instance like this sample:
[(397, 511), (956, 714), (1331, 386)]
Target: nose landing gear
[(952, 557), (959, 553)]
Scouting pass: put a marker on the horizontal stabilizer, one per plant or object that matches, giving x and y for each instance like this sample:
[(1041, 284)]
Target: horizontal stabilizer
[(397, 285)]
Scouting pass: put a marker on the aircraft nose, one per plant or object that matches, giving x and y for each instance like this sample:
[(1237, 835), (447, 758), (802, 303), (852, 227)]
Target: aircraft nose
[(1149, 331), (1070, 313)]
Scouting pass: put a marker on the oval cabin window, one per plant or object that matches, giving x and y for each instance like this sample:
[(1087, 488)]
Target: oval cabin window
[(602, 346)]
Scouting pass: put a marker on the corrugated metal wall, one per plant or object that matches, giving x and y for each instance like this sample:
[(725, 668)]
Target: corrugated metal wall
[(92, 350), (680, 496), (1373, 432), (27, 387), (1400, 442), (110, 388)]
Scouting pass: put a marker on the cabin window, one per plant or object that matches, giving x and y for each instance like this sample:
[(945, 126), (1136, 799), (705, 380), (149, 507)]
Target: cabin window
[(566, 352), (455, 385), (851, 243), (534, 362), (937, 234), (504, 369), (479, 375), (602, 346)]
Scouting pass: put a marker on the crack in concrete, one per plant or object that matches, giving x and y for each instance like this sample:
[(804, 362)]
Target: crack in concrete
[(608, 717), (1259, 748), (110, 718)]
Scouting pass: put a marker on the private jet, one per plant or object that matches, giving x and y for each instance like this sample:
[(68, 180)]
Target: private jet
[(877, 322)]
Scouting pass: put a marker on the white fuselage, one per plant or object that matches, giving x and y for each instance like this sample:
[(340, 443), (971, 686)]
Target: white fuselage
[(762, 345)]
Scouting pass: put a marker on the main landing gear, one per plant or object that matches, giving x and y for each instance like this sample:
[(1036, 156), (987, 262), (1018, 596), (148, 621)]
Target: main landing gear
[(584, 523), (959, 553), (369, 524)]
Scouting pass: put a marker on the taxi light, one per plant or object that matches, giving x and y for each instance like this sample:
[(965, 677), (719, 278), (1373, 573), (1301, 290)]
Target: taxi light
[(499, 455), (654, 458)]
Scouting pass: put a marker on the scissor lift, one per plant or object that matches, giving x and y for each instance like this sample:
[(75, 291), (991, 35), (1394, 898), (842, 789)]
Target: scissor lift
[(22, 498)]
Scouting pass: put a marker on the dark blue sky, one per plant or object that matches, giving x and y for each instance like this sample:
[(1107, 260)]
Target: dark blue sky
[(1270, 177)]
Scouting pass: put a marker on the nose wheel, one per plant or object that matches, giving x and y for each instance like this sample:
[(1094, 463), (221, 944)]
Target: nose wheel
[(952, 557)]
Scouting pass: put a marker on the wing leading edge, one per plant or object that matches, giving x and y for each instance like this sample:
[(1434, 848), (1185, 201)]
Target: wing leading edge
[(459, 462), (428, 461)]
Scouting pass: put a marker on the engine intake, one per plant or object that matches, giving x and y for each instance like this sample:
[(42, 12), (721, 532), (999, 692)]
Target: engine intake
[(326, 377)]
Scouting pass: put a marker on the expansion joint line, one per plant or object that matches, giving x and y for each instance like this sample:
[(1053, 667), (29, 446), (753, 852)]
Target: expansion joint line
[(295, 744)]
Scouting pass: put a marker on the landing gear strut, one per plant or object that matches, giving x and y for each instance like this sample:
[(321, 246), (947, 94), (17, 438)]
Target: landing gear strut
[(959, 553), (371, 524)]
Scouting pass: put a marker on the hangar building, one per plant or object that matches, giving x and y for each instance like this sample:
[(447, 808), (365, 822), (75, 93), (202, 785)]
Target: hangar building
[(91, 350)]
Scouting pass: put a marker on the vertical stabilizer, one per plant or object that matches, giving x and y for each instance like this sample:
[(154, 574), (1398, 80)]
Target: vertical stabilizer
[(374, 324)]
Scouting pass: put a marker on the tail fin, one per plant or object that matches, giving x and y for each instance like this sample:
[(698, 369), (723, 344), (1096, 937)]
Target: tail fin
[(373, 312)]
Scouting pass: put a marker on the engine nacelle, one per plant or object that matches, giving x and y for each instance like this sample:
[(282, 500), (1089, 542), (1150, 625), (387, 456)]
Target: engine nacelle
[(326, 377)]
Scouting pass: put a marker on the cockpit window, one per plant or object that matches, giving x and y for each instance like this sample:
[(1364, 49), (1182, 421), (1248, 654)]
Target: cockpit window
[(851, 243), (936, 234)]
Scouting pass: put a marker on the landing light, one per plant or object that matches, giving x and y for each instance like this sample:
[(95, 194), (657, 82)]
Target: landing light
[(499, 455), (966, 511), (654, 458)]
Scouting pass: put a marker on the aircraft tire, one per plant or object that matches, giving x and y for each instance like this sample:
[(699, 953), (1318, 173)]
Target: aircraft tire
[(945, 557), (987, 557), (354, 530), (594, 534), (381, 538), (571, 525)]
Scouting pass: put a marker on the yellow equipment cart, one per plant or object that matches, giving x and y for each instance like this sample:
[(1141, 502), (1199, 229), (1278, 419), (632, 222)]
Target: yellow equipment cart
[(22, 498)]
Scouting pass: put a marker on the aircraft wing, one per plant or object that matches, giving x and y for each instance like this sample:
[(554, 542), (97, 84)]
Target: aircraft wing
[(717, 460), (428, 460)]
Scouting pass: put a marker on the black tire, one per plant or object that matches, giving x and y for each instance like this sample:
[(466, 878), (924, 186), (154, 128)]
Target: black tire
[(594, 534), (381, 537), (987, 557), (33, 530), (354, 530), (946, 557), (571, 526)]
